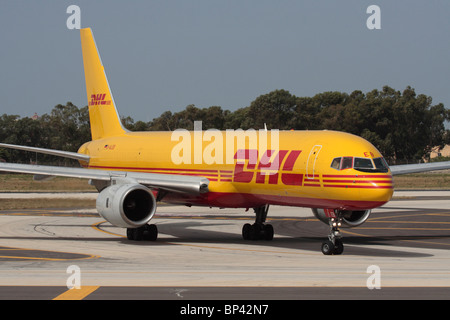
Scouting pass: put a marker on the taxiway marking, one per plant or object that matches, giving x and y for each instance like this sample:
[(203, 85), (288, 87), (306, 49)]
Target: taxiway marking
[(77, 294)]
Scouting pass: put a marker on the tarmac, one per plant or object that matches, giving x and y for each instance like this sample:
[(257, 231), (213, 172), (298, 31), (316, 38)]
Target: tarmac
[(401, 252)]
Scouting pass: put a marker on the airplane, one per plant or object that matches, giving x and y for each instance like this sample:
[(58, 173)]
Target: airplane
[(340, 176)]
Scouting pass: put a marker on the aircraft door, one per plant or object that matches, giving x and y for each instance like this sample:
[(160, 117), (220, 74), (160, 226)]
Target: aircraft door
[(311, 163)]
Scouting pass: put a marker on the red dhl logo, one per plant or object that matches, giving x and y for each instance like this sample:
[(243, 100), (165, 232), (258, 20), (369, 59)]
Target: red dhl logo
[(99, 99), (266, 171)]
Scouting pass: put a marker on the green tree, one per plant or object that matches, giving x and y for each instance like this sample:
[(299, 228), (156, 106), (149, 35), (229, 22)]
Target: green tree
[(275, 109)]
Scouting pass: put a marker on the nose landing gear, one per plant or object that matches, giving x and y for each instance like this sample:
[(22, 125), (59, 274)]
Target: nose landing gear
[(334, 244)]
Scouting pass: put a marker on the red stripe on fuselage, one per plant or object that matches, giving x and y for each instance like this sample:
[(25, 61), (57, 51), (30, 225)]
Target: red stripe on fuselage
[(251, 200)]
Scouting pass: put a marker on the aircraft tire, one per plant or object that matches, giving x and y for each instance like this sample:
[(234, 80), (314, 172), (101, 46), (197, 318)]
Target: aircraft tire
[(268, 232), (150, 232), (135, 234), (338, 247), (246, 230), (327, 248)]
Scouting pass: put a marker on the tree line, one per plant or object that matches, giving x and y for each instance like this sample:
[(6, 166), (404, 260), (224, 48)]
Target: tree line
[(402, 125)]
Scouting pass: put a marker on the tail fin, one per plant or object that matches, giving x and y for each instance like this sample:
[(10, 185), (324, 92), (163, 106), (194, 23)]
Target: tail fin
[(103, 114)]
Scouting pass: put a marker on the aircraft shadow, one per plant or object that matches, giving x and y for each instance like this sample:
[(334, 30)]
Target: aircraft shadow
[(286, 237), (188, 232)]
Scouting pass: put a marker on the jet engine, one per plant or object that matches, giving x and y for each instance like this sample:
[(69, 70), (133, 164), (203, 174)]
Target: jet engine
[(349, 218), (129, 205)]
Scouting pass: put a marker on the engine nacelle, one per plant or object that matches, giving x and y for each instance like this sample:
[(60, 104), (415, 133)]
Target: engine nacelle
[(126, 205), (349, 218)]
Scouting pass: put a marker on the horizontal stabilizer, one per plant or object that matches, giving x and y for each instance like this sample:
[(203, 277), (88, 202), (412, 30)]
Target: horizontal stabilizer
[(59, 153)]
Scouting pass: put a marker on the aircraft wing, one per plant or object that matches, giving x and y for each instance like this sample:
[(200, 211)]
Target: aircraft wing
[(169, 182), (419, 167)]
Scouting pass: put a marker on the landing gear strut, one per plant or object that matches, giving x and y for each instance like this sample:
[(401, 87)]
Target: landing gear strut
[(147, 232), (259, 230), (334, 244)]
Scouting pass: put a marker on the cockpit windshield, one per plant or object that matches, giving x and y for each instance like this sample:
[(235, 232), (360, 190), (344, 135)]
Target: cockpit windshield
[(381, 164), (360, 164), (363, 163)]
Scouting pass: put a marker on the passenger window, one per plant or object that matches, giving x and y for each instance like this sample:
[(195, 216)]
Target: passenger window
[(363, 163), (336, 164), (347, 163)]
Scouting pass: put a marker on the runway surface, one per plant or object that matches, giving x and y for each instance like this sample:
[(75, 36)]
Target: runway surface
[(200, 255)]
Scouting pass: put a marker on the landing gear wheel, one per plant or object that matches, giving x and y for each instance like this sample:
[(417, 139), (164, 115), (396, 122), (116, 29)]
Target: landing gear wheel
[(246, 230), (135, 234), (327, 248), (148, 232), (338, 246), (255, 232), (259, 230), (268, 232)]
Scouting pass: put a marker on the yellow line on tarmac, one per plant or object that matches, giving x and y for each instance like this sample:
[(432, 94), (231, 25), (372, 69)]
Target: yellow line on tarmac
[(96, 225), (77, 294)]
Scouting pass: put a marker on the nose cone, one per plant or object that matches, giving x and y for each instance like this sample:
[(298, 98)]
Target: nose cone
[(377, 188)]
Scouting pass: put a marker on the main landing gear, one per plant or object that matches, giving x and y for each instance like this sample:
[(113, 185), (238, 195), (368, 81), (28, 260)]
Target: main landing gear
[(148, 232), (259, 230), (334, 244)]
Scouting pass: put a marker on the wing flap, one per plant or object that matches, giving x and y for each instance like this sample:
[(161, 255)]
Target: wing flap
[(174, 183)]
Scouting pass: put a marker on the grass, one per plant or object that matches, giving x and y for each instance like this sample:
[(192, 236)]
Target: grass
[(25, 183), (423, 181), (43, 203)]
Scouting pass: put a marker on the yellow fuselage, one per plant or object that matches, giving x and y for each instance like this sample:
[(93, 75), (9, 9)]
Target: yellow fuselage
[(296, 171)]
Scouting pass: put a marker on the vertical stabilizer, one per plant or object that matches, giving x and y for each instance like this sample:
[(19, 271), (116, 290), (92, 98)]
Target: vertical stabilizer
[(103, 114)]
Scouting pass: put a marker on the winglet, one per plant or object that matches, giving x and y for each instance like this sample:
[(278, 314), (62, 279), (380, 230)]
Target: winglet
[(105, 121)]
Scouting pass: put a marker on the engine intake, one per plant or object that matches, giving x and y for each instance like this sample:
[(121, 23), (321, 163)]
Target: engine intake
[(126, 205), (349, 218)]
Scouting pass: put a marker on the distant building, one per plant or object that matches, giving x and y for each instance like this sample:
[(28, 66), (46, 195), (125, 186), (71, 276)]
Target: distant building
[(35, 116), (444, 152)]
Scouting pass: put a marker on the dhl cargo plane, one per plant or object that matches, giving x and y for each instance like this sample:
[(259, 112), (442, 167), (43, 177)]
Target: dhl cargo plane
[(342, 177)]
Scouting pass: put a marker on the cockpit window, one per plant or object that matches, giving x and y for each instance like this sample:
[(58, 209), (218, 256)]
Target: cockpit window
[(336, 164), (360, 164), (363, 163), (381, 164), (347, 163)]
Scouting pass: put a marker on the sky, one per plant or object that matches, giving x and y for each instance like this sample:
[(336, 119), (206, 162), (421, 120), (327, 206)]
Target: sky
[(162, 55)]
